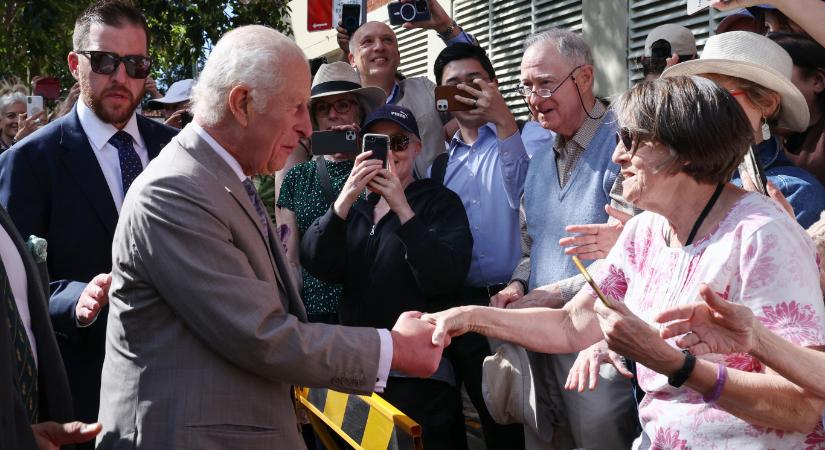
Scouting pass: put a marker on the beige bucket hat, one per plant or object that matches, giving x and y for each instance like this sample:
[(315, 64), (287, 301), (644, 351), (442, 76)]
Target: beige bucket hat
[(340, 78), (755, 58)]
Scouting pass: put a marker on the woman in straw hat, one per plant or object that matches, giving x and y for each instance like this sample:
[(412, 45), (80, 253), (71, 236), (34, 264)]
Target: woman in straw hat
[(337, 103), (757, 72), (697, 228)]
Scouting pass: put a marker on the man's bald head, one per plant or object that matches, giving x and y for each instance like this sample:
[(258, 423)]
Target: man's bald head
[(253, 56), (374, 51)]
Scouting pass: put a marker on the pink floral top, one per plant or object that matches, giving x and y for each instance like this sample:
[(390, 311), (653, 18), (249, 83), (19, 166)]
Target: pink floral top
[(758, 256)]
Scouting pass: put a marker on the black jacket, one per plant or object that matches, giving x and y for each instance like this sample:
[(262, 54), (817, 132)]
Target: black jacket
[(391, 268)]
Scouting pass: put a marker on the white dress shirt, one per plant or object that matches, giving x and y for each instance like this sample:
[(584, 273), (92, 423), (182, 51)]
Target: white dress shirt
[(385, 357), (99, 133), (19, 282)]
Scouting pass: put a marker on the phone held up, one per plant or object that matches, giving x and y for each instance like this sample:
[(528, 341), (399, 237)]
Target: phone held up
[(331, 142), (445, 98), (379, 145), (351, 17), (415, 11), (34, 104)]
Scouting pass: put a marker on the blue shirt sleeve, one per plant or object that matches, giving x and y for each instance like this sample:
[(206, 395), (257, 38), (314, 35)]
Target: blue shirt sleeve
[(514, 163)]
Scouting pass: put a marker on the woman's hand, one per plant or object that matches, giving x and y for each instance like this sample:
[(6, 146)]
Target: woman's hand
[(585, 371), (450, 323), (386, 184), (594, 241), (28, 125), (363, 172), (715, 326), (629, 336)]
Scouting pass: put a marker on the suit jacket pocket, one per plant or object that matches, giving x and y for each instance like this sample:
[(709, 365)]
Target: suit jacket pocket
[(231, 437)]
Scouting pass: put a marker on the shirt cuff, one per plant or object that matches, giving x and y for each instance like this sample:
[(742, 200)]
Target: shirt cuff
[(511, 149), (384, 361)]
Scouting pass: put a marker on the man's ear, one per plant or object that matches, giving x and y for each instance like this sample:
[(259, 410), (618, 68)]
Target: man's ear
[(73, 59), (584, 77), (240, 102)]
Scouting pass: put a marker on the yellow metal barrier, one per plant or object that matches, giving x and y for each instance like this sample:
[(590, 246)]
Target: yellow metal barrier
[(364, 422)]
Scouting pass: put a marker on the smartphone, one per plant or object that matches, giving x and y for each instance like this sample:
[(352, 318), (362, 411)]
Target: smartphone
[(331, 142), (350, 17), (34, 104), (415, 11), (445, 98), (48, 88), (590, 281), (751, 166), (379, 145)]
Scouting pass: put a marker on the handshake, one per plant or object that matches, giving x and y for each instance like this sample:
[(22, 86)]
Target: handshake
[(419, 339)]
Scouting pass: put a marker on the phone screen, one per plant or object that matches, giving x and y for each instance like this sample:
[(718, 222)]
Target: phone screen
[(378, 144), (590, 281), (34, 104)]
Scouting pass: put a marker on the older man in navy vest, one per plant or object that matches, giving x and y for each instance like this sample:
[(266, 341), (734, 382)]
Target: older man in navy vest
[(568, 184)]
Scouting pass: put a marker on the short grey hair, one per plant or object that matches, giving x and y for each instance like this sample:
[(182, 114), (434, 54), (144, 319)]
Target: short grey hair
[(10, 99), (569, 45), (252, 56)]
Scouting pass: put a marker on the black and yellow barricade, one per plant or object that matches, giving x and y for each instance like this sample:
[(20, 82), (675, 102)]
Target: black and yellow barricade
[(364, 422)]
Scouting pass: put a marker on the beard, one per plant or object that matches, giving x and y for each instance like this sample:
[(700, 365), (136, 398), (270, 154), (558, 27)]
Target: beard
[(110, 115)]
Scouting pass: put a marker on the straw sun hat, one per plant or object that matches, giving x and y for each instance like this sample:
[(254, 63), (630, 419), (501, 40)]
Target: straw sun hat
[(340, 78), (755, 58)]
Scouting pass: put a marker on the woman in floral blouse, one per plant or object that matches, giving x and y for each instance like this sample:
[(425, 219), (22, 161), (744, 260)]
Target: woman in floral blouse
[(680, 140)]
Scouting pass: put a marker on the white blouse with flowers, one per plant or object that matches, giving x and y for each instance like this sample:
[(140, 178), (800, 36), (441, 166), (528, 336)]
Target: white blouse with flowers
[(757, 256)]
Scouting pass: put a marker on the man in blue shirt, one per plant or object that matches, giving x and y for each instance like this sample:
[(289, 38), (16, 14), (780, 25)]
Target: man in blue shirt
[(486, 164)]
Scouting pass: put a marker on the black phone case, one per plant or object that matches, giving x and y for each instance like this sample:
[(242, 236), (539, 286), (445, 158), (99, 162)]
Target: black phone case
[(331, 142), (379, 147)]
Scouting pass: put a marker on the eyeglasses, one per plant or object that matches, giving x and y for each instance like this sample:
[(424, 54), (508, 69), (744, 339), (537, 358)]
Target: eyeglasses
[(399, 142), (626, 137), (341, 106), (105, 63), (527, 91)]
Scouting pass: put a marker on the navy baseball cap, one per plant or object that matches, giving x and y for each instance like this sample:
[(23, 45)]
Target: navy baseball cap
[(399, 115)]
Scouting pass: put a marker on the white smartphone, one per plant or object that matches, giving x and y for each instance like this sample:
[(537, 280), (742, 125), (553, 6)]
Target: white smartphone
[(34, 104)]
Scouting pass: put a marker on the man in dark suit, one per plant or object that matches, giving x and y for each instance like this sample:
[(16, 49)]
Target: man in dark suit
[(34, 392), (67, 181)]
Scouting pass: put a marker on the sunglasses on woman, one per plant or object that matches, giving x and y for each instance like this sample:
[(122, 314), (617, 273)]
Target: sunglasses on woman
[(105, 63), (399, 142), (626, 137)]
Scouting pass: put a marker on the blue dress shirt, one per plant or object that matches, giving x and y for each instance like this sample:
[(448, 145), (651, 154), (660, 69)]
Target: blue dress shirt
[(489, 177)]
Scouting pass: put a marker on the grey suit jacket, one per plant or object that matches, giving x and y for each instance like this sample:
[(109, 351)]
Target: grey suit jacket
[(206, 330)]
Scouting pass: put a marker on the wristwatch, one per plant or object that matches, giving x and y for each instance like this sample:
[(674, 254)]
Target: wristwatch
[(448, 31), (678, 379)]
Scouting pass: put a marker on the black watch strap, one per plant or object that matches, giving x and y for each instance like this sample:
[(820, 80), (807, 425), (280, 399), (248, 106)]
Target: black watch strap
[(678, 379)]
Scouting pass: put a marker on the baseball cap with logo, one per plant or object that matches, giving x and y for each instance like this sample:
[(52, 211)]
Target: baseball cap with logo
[(399, 115)]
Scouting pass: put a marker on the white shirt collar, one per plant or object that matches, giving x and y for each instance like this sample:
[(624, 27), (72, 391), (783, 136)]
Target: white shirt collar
[(228, 158), (99, 132)]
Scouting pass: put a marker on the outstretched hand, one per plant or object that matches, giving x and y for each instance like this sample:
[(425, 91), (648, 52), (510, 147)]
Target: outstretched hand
[(585, 371), (413, 350), (713, 326), (594, 241), (52, 435), (448, 324)]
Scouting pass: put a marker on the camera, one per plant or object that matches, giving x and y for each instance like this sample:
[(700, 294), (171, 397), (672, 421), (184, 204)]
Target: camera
[(416, 11), (442, 104)]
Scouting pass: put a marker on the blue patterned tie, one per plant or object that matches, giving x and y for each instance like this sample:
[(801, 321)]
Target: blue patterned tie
[(130, 165), (258, 204), (24, 368)]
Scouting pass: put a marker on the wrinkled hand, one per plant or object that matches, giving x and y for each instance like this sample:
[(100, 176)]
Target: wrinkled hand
[(342, 37), (585, 371), (548, 296), (28, 125), (52, 435), (439, 19), (364, 170), (413, 350), (629, 336), (449, 324), (509, 294), (489, 105), (594, 241), (93, 298), (714, 326), (391, 190)]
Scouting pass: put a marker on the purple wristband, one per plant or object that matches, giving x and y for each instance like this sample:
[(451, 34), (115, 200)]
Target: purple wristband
[(721, 378)]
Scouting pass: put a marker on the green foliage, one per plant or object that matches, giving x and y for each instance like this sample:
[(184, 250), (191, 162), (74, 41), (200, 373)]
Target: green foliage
[(37, 34)]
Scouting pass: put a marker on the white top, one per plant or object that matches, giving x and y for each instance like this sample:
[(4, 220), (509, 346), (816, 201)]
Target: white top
[(385, 358), (16, 272), (99, 133)]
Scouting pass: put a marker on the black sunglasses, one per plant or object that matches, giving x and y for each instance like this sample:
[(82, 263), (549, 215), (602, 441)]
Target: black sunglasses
[(626, 137), (105, 63), (399, 142)]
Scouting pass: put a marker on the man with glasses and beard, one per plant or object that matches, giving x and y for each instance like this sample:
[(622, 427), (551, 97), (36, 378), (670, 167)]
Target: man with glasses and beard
[(66, 183)]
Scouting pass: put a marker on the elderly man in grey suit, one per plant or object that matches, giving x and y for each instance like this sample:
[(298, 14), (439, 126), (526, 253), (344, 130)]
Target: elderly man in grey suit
[(206, 329)]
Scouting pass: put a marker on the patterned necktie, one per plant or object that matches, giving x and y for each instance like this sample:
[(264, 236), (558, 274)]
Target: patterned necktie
[(25, 370), (258, 204), (130, 165)]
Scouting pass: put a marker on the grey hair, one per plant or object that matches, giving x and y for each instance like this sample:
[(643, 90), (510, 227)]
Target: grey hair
[(569, 44), (10, 99), (252, 56)]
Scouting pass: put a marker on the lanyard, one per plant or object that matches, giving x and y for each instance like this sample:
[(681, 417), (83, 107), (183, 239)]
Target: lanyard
[(704, 213)]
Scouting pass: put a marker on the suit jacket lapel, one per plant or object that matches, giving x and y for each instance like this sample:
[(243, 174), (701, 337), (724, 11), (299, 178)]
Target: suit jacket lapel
[(82, 163), (153, 144)]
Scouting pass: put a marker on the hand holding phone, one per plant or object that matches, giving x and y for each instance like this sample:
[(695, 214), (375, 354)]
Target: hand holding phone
[(590, 281), (34, 104), (332, 142), (379, 145), (445, 98)]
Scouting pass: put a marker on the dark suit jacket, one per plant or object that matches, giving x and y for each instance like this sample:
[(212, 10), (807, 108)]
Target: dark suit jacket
[(53, 388), (52, 186)]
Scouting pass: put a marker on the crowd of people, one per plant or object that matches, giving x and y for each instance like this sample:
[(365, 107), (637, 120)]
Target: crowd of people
[(166, 281)]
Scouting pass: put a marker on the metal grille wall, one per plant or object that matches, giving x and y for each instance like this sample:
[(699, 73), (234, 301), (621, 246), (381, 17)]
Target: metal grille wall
[(645, 15), (413, 47)]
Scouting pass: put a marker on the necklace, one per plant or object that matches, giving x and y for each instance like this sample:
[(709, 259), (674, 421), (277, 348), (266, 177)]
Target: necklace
[(702, 215)]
